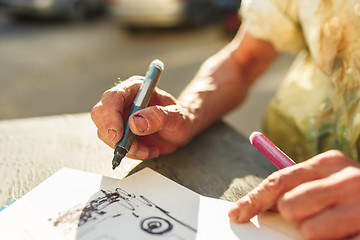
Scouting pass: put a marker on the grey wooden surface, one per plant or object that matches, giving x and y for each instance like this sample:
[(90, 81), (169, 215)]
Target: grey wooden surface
[(219, 162)]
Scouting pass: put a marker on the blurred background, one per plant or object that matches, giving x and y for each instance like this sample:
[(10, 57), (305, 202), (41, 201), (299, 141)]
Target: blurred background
[(59, 56)]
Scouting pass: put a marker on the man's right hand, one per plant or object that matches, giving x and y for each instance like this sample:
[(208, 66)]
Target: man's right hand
[(160, 128)]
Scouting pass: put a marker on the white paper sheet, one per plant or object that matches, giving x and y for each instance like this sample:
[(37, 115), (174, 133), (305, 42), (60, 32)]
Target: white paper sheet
[(78, 205)]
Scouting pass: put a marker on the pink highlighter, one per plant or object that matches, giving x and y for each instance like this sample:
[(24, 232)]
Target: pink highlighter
[(270, 151)]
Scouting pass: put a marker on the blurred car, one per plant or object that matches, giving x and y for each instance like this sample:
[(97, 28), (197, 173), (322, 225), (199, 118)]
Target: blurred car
[(162, 13), (71, 9)]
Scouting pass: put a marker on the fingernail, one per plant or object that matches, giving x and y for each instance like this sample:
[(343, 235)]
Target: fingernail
[(112, 134), (234, 212), (141, 123)]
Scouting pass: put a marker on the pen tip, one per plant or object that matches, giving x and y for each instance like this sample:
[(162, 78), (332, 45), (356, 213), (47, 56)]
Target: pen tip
[(118, 156), (116, 161)]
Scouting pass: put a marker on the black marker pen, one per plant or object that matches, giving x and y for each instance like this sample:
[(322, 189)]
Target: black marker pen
[(141, 101)]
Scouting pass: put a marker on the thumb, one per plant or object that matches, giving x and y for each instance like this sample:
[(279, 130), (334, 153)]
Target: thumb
[(171, 122)]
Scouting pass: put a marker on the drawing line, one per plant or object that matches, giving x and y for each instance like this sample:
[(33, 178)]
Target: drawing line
[(95, 211)]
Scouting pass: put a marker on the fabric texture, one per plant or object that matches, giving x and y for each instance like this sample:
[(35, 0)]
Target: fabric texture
[(317, 106)]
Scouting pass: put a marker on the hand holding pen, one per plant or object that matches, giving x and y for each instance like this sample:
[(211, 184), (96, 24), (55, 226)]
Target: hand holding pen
[(141, 101), (159, 128)]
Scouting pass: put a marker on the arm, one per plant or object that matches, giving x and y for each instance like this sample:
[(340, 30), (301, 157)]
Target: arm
[(220, 85), (223, 81)]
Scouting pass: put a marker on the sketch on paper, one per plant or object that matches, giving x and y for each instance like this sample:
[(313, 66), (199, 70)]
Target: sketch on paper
[(116, 214), (146, 205)]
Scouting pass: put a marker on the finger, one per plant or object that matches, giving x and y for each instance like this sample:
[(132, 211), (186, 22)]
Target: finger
[(142, 151), (109, 124), (264, 196), (316, 196), (340, 222), (161, 98), (147, 147), (272, 188), (109, 113), (170, 122)]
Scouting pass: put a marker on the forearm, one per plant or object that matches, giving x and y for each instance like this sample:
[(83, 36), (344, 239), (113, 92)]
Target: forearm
[(215, 90), (223, 81)]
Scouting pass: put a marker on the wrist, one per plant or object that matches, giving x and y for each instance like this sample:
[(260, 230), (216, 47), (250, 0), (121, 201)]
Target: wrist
[(193, 118)]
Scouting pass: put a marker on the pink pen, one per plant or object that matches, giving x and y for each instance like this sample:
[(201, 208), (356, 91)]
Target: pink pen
[(270, 151)]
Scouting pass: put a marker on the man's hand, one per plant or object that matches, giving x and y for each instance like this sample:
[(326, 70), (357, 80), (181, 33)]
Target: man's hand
[(320, 196), (220, 85), (160, 128)]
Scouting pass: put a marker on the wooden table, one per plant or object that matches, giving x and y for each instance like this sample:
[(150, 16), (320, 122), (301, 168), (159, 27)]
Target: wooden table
[(219, 162)]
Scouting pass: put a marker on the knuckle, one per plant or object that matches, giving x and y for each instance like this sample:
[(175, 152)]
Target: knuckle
[(112, 98), (352, 176), (269, 187), (274, 182), (178, 122), (180, 118), (251, 199), (172, 123), (337, 156), (164, 98), (161, 114), (109, 94), (134, 81), (165, 116), (135, 78), (332, 157), (96, 114), (335, 152)]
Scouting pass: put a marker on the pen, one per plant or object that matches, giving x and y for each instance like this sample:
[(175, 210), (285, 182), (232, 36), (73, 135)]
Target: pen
[(270, 151), (141, 101)]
